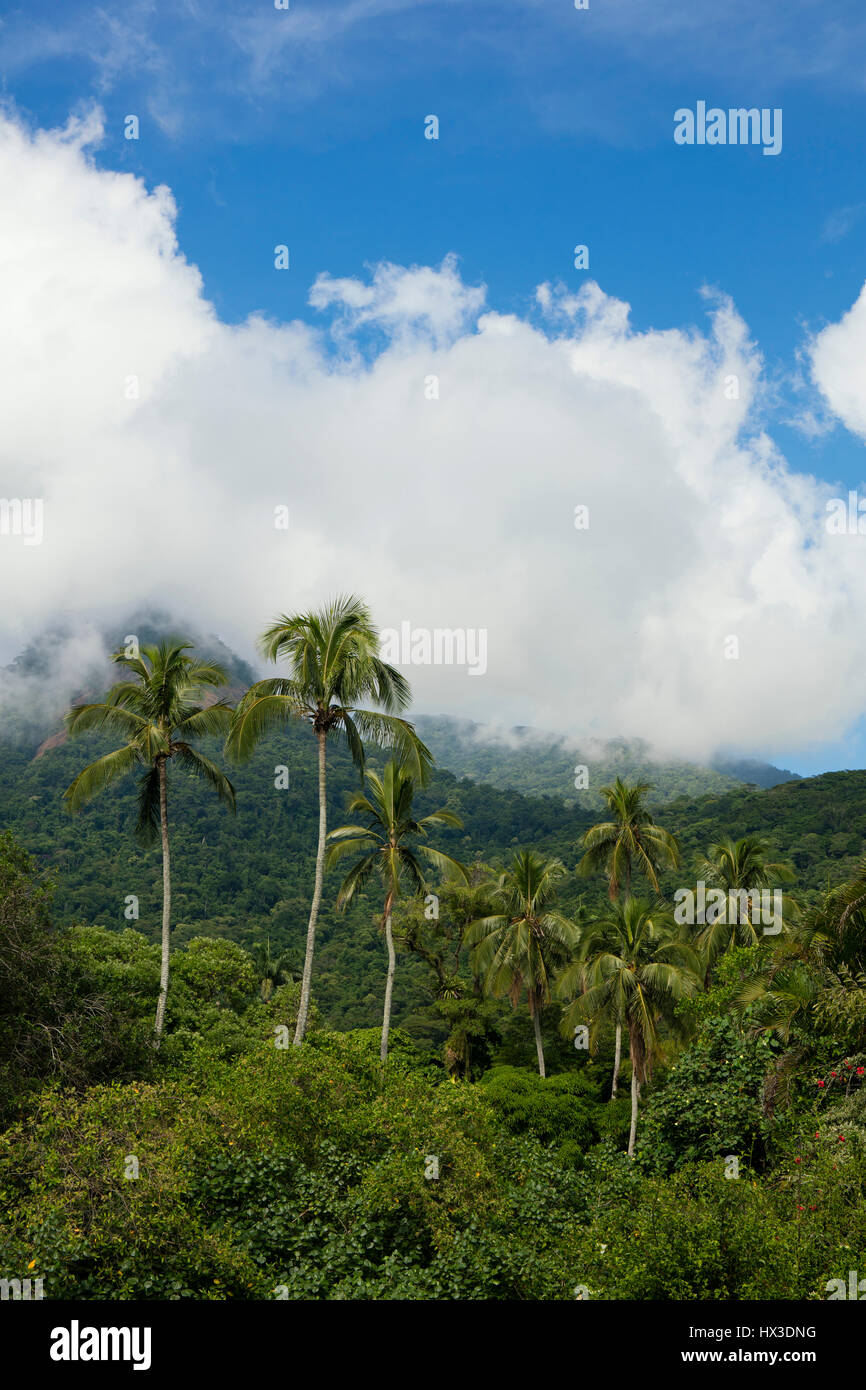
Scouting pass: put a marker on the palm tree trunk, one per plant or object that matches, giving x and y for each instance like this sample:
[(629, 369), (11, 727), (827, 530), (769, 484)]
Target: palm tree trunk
[(635, 1093), (303, 1007), (166, 903), (617, 1058), (389, 985), (538, 1047)]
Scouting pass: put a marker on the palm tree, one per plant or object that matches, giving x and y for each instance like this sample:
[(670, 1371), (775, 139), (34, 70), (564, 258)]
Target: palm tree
[(157, 709), (614, 846), (271, 969), (634, 966), (735, 868), (782, 995), (630, 838), (523, 943), (384, 849), (438, 940), (333, 660), (596, 936), (819, 966), (836, 928)]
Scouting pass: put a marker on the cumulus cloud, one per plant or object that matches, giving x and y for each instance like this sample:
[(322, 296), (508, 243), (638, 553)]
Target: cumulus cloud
[(431, 452), (839, 366), (420, 300)]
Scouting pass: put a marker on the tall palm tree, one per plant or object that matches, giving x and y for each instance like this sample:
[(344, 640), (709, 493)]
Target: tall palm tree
[(524, 942), (634, 966), (158, 709), (630, 839), (735, 867), (615, 846), (597, 935), (383, 846), (333, 660)]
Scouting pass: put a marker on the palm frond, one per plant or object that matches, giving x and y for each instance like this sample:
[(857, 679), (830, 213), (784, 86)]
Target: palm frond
[(255, 716), (209, 721), (98, 775), (200, 766)]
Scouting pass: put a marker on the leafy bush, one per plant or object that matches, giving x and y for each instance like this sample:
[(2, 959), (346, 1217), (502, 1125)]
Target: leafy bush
[(709, 1104), (563, 1110), (305, 1171)]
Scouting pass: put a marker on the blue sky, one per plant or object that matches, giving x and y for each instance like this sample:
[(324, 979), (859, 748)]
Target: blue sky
[(306, 127)]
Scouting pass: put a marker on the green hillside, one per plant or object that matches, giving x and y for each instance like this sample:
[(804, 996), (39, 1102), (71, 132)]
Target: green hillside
[(818, 824), (249, 878), (246, 877)]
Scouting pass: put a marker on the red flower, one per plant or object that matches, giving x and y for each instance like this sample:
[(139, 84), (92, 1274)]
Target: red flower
[(847, 1063), (820, 1083), (841, 1139), (817, 1134), (801, 1208), (860, 1070), (796, 1160), (834, 1073)]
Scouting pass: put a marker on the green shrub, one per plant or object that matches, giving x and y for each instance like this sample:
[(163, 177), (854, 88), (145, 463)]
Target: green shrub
[(562, 1110)]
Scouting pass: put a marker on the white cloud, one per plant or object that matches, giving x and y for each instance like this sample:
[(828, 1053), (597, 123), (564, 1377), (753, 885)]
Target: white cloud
[(451, 512), (839, 365), (401, 301)]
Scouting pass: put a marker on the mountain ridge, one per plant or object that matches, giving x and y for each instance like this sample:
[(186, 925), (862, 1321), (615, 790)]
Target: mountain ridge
[(541, 763)]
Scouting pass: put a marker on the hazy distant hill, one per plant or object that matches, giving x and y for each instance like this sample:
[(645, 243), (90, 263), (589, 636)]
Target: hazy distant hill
[(70, 662), (761, 774), (540, 764)]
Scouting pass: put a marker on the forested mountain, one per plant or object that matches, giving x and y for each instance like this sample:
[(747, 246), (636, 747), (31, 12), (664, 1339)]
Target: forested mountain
[(545, 764)]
